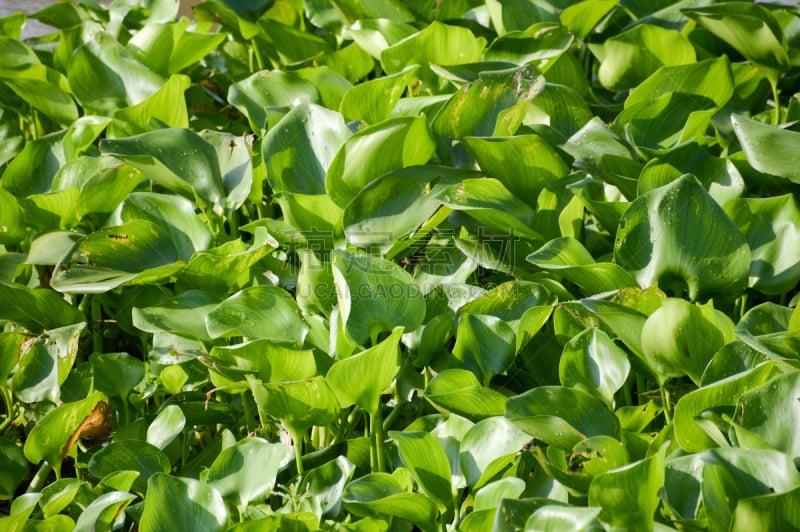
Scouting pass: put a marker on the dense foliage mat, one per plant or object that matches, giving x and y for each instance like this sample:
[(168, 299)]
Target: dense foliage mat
[(394, 265)]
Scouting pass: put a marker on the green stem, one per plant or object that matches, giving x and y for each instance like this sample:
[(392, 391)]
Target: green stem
[(97, 325), (126, 408), (259, 59), (776, 117), (9, 406), (37, 483), (393, 415), (297, 438), (743, 305), (343, 428), (641, 387), (376, 429), (627, 391), (233, 222), (665, 399)]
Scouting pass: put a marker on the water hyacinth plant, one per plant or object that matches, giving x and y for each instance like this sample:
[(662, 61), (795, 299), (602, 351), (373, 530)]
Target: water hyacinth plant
[(381, 265)]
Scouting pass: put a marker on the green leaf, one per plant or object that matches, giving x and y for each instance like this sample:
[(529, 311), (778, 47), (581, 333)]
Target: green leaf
[(173, 214), (324, 486), (491, 495), (103, 511), (770, 227), (12, 226), (394, 205), (524, 164), (484, 107), (116, 374), (561, 107), (105, 188), (259, 312), (180, 503), (184, 315), (169, 48), (13, 468), (267, 361), (553, 518), (45, 362), (167, 426), (165, 107), (104, 77), (629, 496), (42, 88), (582, 17), (438, 43), (778, 511), (236, 16), (781, 159), (130, 455), (488, 447), (730, 475), (234, 155), (55, 434), (298, 404), (560, 416), (750, 29), (680, 117), (137, 252), (720, 396), (568, 258), (485, 345), (426, 460), (32, 171), (382, 494), (265, 89), (656, 242), (300, 148), (459, 391), (489, 202), (627, 59), (177, 159), (246, 471), (511, 15), (377, 150), (712, 79), (541, 41), (373, 100), (592, 362), (224, 269), (360, 379), (772, 412), (36, 309), (680, 338), (375, 296)]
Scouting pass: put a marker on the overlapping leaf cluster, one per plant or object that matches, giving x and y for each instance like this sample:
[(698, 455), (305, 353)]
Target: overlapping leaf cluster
[(372, 265)]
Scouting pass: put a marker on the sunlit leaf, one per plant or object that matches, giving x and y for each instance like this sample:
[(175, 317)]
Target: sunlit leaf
[(656, 241), (561, 416), (247, 470), (372, 152), (259, 312), (375, 296), (182, 503), (361, 378), (130, 455), (629, 58)]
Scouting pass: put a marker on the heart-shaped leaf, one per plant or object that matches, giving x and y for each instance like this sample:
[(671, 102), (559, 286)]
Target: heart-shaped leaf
[(182, 503), (375, 296), (656, 241), (361, 378)]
